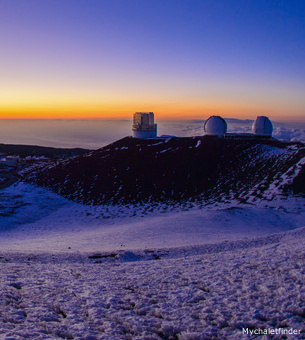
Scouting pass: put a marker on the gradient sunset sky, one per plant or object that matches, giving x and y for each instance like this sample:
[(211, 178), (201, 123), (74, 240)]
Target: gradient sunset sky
[(181, 59)]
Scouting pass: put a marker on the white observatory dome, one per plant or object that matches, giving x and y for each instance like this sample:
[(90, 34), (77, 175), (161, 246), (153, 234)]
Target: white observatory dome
[(262, 126), (215, 125)]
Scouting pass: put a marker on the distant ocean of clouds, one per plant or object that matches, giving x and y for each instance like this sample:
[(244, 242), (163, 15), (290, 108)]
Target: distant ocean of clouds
[(93, 134)]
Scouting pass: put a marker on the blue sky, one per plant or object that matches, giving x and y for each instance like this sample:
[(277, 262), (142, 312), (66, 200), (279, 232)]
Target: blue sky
[(98, 58)]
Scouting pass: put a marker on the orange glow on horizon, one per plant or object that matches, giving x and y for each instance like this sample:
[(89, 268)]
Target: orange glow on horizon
[(162, 111)]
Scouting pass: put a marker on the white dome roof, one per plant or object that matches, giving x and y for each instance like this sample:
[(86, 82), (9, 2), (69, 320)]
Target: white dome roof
[(262, 126), (215, 125)]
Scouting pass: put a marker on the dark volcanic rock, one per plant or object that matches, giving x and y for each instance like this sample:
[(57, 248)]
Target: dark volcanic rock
[(137, 170), (38, 151), (297, 186)]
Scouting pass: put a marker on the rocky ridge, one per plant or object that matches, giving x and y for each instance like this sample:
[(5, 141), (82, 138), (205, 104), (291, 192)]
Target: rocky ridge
[(176, 169)]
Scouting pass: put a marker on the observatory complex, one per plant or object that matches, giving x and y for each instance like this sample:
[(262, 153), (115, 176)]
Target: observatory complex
[(217, 126), (144, 125)]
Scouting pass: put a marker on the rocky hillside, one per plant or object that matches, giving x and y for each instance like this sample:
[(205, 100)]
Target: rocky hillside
[(177, 169), (39, 151)]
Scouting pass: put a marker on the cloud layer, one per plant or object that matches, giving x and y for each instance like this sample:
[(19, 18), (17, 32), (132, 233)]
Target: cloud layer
[(284, 131), (93, 134)]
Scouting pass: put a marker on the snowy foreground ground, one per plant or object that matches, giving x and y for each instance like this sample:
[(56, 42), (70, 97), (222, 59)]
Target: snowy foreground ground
[(75, 272)]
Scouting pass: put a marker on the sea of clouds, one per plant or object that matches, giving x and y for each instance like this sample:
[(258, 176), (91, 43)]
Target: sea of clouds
[(93, 134), (285, 131)]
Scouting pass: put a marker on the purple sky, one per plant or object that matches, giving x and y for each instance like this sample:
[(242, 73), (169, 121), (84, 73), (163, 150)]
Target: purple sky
[(184, 59)]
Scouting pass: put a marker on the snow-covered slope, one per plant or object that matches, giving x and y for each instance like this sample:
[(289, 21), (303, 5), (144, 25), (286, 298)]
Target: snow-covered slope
[(71, 272), (213, 291), (35, 219)]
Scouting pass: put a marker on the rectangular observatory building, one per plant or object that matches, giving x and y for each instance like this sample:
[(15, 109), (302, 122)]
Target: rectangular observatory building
[(144, 125)]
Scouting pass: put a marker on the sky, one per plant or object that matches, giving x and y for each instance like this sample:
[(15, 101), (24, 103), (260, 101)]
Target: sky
[(83, 59)]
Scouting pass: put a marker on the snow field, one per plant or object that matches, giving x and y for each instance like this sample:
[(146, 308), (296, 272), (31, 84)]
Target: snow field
[(70, 271), (184, 293), (50, 222)]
